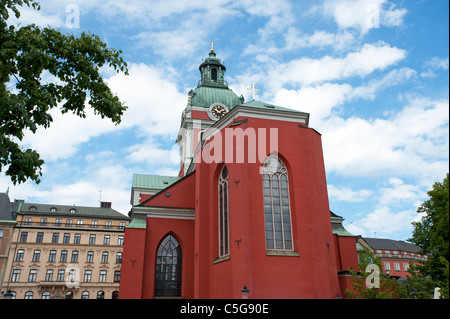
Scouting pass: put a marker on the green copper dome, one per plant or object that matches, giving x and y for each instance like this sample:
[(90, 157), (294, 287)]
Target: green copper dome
[(212, 88)]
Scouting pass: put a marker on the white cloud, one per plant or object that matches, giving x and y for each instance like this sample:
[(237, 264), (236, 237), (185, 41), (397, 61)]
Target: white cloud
[(400, 193), (364, 15), (153, 99), (345, 194), (306, 71), (432, 65), (414, 142), (382, 222)]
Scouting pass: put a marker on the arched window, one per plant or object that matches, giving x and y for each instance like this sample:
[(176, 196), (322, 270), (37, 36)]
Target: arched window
[(85, 295), (46, 295), (214, 74), (277, 215), (168, 268), (224, 246), (29, 295)]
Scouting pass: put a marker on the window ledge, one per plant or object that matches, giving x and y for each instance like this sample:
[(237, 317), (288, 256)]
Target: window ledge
[(220, 259), (289, 253)]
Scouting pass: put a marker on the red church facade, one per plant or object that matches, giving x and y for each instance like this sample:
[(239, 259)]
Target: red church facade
[(250, 207)]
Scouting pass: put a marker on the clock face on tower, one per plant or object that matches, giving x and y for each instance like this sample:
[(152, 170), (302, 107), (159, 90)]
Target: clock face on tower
[(217, 110)]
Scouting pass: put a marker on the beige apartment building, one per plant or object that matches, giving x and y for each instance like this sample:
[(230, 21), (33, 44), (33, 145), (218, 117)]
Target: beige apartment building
[(60, 251)]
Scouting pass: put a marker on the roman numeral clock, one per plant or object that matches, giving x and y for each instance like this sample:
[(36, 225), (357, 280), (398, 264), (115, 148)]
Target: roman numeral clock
[(216, 111)]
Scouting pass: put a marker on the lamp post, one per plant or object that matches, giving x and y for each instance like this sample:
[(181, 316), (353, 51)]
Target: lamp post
[(245, 292), (8, 294)]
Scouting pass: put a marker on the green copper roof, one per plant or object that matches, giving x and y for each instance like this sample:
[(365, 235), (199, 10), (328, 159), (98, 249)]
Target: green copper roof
[(153, 181), (268, 106), (204, 96)]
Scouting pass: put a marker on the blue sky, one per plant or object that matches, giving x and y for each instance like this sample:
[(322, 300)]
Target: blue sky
[(373, 74)]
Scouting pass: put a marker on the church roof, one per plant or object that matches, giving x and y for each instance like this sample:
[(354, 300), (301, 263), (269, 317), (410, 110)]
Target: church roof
[(153, 181), (267, 106), (204, 96)]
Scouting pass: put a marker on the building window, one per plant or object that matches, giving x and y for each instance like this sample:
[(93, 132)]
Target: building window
[(94, 224), (85, 295), (27, 220), (277, 216), (15, 275), (102, 277), (49, 275), (90, 257), (396, 266), (79, 223), (405, 266), (32, 276), (58, 222), (66, 238), (120, 240), (122, 225), (74, 256), (387, 266), (55, 238), (119, 257), (52, 255), (46, 295), (223, 213), (69, 295), (63, 256), (32, 208), (104, 257), (19, 255), (23, 237), (69, 223), (39, 237), (77, 239), (92, 239), (101, 295), (43, 221), (117, 276), (60, 276), (106, 240), (87, 275), (53, 210), (168, 268), (36, 255), (29, 295), (107, 224)]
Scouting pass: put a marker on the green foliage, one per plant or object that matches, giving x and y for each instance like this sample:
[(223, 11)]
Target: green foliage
[(27, 53), (388, 287), (432, 235)]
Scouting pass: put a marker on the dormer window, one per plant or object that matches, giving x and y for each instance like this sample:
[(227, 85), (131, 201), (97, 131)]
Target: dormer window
[(72, 210), (53, 210), (32, 208)]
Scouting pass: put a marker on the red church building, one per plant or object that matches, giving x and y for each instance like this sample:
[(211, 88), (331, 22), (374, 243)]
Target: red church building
[(249, 207)]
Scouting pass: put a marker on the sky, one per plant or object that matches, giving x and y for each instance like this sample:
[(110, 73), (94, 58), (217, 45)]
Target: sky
[(372, 74)]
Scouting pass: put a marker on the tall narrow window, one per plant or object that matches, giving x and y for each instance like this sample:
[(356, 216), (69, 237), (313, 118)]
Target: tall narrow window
[(224, 246), (277, 215), (168, 268), (214, 74)]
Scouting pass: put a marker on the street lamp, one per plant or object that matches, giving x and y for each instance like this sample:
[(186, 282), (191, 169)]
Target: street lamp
[(8, 294), (245, 292)]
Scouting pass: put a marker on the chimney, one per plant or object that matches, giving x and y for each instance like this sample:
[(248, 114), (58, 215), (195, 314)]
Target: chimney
[(105, 204)]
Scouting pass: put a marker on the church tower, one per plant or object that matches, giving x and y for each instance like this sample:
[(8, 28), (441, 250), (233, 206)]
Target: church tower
[(211, 100)]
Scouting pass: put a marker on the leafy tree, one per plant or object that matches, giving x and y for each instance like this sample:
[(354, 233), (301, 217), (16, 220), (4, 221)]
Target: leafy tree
[(27, 53), (431, 234), (387, 287)]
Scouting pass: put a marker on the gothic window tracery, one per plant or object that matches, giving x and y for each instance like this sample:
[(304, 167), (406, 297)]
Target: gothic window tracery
[(277, 216)]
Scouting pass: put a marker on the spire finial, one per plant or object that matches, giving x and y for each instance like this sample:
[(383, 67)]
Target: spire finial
[(212, 46)]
